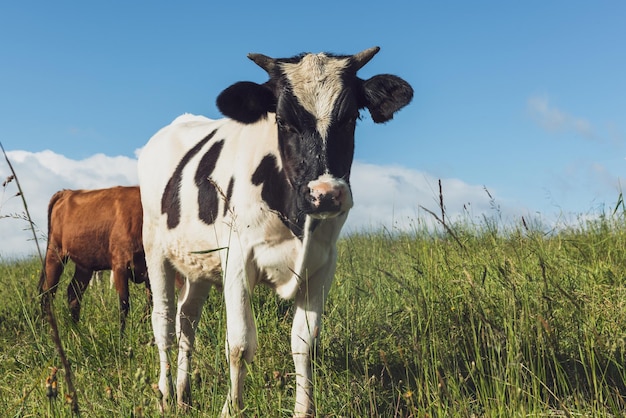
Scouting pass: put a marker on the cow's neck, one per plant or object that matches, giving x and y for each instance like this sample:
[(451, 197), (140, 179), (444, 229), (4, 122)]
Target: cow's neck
[(278, 193)]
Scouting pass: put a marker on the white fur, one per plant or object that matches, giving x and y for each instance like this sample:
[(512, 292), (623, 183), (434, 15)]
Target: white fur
[(251, 245), (316, 83)]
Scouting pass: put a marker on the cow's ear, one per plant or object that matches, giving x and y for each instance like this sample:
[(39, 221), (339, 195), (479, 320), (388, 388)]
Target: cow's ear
[(384, 95), (246, 102)]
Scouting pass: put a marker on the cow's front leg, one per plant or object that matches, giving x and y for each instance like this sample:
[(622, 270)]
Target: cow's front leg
[(241, 339), (305, 332), (191, 298)]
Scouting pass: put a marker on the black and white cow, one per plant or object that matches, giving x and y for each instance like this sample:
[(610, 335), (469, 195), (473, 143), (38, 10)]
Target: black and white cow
[(258, 197)]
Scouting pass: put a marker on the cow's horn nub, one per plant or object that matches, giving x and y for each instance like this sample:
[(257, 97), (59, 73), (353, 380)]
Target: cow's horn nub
[(364, 57), (263, 61)]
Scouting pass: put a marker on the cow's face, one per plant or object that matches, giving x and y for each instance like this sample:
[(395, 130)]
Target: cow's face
[(316, 113), (316, 99)]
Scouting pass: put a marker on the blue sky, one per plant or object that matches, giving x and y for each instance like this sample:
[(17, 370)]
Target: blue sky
[(527, 99)]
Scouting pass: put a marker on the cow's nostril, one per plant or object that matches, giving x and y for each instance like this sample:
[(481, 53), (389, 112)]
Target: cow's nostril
[(338, 195)]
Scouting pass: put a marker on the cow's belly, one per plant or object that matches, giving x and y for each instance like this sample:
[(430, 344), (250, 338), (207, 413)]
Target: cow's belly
[(261, 246), (194, 256)]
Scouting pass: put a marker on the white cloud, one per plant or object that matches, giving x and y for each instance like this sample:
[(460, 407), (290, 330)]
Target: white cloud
[(385, 196), (391, 196), (555, 120), (41, 174)]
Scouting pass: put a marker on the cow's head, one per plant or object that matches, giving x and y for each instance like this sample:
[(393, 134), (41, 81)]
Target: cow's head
[(316, 99)]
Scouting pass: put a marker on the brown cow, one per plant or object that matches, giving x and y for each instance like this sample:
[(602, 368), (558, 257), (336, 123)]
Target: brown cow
[(97, 230)]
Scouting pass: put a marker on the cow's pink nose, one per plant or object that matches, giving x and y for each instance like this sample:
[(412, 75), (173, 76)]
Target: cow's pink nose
[(328, 197), (325, 191)]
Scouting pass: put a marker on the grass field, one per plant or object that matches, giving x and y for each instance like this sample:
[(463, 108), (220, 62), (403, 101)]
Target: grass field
[(476, 321)]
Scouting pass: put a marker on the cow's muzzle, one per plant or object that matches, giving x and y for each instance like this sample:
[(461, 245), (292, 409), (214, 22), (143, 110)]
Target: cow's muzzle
[(329, 196)]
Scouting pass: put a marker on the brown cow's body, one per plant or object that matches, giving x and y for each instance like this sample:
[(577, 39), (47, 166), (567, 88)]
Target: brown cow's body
[(97, 230)]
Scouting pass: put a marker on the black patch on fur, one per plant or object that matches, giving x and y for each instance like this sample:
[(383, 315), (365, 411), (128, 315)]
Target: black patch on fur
[(278, 194), (229, 195), (208, 197), (170, 201)]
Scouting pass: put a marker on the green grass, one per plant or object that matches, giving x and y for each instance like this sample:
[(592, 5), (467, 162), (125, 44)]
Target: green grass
[(507, 322)]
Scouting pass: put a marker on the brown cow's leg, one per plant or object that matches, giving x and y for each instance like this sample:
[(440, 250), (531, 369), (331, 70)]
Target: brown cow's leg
[(148, 310), (139, 274), (75, 290), (49, 279), (122, 275)]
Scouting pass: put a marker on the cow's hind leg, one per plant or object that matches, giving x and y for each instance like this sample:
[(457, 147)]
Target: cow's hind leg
[(139, 274), (49, 279), (76, 289), (241, 339), (191, 298), (122, 274), (163, 311)]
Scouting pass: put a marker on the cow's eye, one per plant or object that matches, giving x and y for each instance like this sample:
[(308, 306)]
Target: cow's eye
[(284, 126)]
